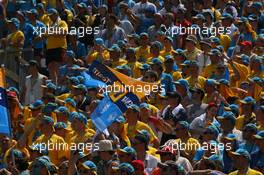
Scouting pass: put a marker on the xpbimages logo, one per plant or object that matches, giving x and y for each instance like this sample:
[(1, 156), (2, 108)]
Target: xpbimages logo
[(80, 31), (196, 30)]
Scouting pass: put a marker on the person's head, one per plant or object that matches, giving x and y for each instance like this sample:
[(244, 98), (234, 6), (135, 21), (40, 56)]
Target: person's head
[(32, 14), (114, 52), (33, 67), (103, 10), (260, 114), (215, 56), (139, 167), (127, 154), (125, 169), (79, 122), (167, 153), (87, 168), (248, 131), (150, 76), (256, 64), (53, 14), (5, 143), (131, 54), (40, 8), (144, 39), (199, 19), (194, 68), (116, 125), (259, 139), (210, 133), (158, 19), (169, 62), (182, 86), (37, 150), (60, 129), (182, 129), (241, 158), (168, 19), (141, 141), (105, 150), (132, 113), (228, 121), (191, 42), (62, 114), (47, 125), (145, 112), (42, 165), (211, 110), (210, 86), (197, 94), (155, 48), (247, 105), (70, 57), (171, 168), (174, 98), (111, 21), (36, 108), (49, 88), (156, 65)]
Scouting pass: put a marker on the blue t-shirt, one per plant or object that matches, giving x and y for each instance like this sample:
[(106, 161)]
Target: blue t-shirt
[(39, 26), (28, 30)]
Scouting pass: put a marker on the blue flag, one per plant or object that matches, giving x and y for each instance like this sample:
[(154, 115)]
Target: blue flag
[(89, 81), (5, 126), (105, 114)]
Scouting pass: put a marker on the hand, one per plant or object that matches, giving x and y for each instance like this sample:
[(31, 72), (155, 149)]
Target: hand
[(129, 12)]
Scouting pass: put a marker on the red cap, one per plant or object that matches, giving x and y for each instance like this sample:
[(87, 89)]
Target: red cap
[(167, 149), (246, 43), (11, 94), (138, 165)]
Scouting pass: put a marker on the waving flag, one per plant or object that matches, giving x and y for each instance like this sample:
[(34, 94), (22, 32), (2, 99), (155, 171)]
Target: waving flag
[(5, 124), (105, 114)]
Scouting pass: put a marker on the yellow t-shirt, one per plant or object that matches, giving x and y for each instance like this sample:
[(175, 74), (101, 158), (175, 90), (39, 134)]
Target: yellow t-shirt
[(191, 55), (16, 37), (82, 138), (196, 82), (225, 41), (243, 73), (241, 120), (176, 75), (54, 42), (135, 68), (132, 130), (56, 153), (45, 19), (250, 172), (95, 56), (190, 146), (164, 53), (209, 70), (143, 53), (120, 62)]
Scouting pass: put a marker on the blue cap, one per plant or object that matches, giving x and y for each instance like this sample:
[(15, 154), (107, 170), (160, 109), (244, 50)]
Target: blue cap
[(81, 79), (228, 116), (156, 61), (186, 63), (144, 105), (50, 85), (194, 63), (157, 44), (128, 150), (49, 108), (17, 153), (241, 152), (36, 105), (120, 119), (184, 124), (199, 16), (60, 125), (81, 87), (70, 54), (256, 5), (89, 165), (48, 120), (215, 52), (224, 82), (74, 80), (250, 127), (115, 48), (234, 108), (169, 38), (144, 66), (259, 135), (248, 100), (126, 167), (52, 11), (253, 17), (143, 136), (81, 118), (134, 107), (99, 41), (182, 82), (131, 49), (121, 43), (144, 34), (226, 16), (211, 82), (230, 136), (212, 129), (215, 40), (62, 109), (70, 101), (179, 51), (73, 115), (82, 5), (208, 11), (242, 19), (33, 11), (14, 21), (169, 57), (40, 6)]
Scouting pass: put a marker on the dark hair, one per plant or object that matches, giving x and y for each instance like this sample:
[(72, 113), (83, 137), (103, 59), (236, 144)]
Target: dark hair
[(174, 95), (21, 164), (152, 74), (114, 17)]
